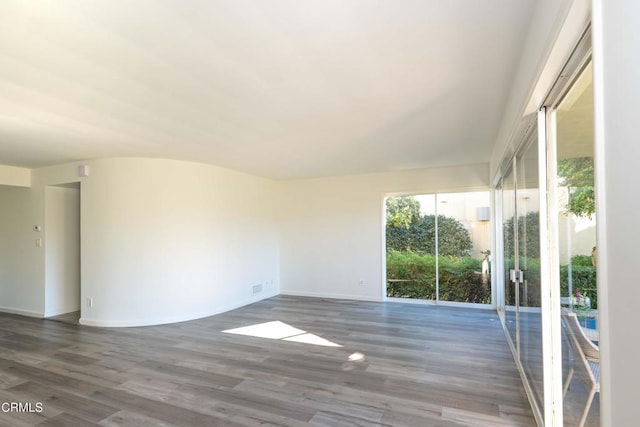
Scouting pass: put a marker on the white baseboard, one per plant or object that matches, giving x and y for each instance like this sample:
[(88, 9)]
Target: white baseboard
[(441, 303), (332, 296), (174, 319), (53, 313), (27, 313), (380, 299)]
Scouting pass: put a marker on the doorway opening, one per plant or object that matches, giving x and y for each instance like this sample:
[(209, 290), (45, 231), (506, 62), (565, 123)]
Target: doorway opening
[(62, 254), (437, 247)]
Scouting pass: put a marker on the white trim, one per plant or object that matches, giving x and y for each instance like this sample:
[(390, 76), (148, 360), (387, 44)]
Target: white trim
[(166, 320), (383, 245), (28, 313), (492, 247), (441, 303), (436, 246), (535, 310), (332, 296), (498, 255), (601, 212), (520, 151), (549, 267), (390, 299)]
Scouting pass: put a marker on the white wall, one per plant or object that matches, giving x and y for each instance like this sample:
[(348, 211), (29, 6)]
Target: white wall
[(579, 232), (161, 241), (18, 177), (21, 278), (62, 250), (332, 228), (617, 99), (165, 241)]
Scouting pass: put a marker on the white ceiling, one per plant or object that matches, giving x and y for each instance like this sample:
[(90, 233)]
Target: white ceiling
[(278, 88)]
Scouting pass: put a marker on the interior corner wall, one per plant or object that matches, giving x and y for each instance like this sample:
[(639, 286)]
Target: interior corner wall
[(62, 250), (21, 275), (332, 229), (617, 100), (165, 241)]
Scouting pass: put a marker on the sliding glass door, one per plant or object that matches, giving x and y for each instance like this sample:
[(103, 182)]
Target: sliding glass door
[(509, 232), (575, 200), (521, 261), (547, 250), (528, 255)]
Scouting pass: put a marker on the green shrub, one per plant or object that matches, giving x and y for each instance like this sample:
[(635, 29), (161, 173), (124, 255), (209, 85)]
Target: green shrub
[(461, 280), (528, 225), (420, 236), (583, 277), (583, 260), (579, 179), (529, 291), (460, 277)]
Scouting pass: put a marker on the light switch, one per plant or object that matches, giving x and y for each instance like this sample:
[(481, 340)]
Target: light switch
[(38, 243)]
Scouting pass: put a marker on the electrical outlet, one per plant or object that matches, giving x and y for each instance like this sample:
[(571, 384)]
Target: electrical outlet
[(361, 282)]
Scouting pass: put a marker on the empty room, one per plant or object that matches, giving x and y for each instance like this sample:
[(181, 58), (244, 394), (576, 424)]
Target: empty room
[(331, 213)]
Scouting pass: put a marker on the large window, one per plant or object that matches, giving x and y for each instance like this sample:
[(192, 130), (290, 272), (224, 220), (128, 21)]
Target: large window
[(438, 247)]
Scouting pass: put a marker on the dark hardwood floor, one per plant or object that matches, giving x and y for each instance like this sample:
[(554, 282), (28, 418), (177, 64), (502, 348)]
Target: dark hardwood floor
[(398, 364), (72, 318)]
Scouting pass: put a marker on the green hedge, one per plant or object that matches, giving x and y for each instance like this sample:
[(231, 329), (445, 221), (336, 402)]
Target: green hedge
[(460, 277), (583, 277), (420, 236)]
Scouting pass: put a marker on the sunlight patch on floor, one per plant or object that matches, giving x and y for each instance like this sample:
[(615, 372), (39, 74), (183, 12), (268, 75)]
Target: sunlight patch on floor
[(277, 330)]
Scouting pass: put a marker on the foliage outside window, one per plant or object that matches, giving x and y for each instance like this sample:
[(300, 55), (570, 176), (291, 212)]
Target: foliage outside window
[(411, 256), (583, 269), (576, 174)]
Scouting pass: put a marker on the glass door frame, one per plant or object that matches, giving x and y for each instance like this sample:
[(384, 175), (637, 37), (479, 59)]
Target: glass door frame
[(548, 114), (549, 238), (513, 331), (550, 264), (510, 167)]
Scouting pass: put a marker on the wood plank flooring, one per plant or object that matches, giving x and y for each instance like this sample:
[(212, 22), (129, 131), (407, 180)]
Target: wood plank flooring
[(72, 318), (398, 364)]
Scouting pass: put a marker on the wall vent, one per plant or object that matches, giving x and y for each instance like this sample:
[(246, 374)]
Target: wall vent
[(256, 289)]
